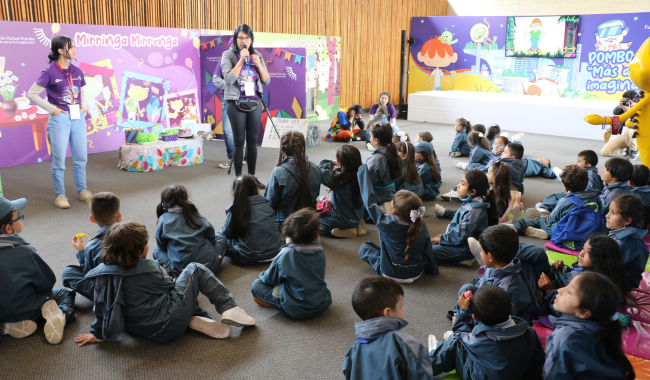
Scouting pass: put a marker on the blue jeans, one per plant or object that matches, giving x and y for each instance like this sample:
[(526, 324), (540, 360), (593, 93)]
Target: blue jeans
[(61, 130), (227, 129)]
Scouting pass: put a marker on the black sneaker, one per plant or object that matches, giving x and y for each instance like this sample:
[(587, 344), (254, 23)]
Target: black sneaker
[(260, 185), (450, 315)]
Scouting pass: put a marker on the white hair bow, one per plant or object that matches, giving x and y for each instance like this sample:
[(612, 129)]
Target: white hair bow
[(480, 134), (402, 136), (417, 214)]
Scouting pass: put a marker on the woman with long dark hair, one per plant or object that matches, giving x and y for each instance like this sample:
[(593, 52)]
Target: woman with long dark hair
[(244, 72), (67, 107)]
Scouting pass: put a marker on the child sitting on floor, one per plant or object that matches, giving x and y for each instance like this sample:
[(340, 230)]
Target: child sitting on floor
[(383, 165), (508, 200), (428, 137), (479, 155), (250, 227), (184, 236), (616, 173), (575, 181), (135, 295), (104, 211), (400, 136), (479, 128), (627, 222), (492, 133), (378, 301), (477, 213), (404, 249), (410, 179), (428, 170), (27, 281), (346, 217), (639, 183), (295, 283), (461, 147), (512, 156), (586, 343), (487, 342)]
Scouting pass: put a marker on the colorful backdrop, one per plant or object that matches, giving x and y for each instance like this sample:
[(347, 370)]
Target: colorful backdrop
[(468, 54)]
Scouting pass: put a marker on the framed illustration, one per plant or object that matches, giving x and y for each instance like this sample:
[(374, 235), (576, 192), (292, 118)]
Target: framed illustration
[(181, 106), (140, 101)]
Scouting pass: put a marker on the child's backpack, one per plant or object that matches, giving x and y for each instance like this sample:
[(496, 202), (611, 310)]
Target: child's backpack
[(514, 212), (572, 230)]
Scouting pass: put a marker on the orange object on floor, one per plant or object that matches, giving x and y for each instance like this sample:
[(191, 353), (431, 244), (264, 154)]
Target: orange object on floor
[(260, 302), (641, 367), (344, 136)]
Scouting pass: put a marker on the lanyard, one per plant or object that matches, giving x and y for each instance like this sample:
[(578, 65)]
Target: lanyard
[(69, 80)]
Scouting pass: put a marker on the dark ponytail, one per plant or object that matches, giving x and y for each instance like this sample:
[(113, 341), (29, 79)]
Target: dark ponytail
[(404, 202), (477, 180), (59, 42), (240, 213), (465, 124), (605, 255), (428, 158), (176, 196), (493, 132), (476, 139), (410, 174), (384, 133), (601, 297)]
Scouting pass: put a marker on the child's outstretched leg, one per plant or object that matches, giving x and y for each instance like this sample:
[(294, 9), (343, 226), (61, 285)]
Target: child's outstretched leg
[(57, 311), (74, 278)]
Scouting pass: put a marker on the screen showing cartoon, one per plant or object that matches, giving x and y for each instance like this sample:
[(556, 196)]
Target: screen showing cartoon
[(548, 36)]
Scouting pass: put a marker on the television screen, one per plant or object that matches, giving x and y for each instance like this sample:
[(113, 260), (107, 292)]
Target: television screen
[(544, 37)]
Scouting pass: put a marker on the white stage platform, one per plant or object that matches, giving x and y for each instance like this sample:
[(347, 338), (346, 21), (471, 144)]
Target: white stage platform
[(530, 114)]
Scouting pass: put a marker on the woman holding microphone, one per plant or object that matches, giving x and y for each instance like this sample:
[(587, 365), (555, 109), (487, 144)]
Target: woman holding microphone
[(244, 72)]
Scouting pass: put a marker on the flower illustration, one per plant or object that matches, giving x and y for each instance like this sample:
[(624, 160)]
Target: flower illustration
[(14, 78), (8, 73), (17, 118), (3, 89), (11, 88)]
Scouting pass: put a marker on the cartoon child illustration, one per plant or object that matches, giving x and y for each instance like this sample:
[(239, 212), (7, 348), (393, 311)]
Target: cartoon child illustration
[(609, 36), (436, 54), (535, 32)]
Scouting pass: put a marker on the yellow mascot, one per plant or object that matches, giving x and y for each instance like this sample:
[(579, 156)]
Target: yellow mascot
[(638, 117)]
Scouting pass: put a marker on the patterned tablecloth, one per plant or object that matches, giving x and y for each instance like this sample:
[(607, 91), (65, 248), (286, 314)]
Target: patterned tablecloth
[(147, 158)]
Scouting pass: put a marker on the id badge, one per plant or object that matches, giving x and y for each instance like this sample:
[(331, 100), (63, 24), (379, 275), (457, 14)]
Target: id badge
[(75, 112), (249, 88)]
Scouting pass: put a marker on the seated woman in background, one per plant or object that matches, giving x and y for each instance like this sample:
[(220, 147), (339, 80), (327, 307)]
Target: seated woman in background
[(384, 101), (345, 123), (381, 116)]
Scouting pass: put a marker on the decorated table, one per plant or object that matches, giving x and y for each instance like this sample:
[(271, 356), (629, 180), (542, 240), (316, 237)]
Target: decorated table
[(148, 157)]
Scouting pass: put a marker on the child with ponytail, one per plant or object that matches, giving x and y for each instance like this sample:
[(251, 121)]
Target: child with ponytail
[(510, 208), (410, 179), (428, 137), (586, 343), (480, 154), (250, 229), (461, 147), (346, 217), (477, 213), (404, 250), (183, 235), (293, 173), (383, 166), (493, 132), (428, 170)]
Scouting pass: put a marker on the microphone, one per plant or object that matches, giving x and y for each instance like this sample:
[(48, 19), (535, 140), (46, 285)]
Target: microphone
[(243, 47)]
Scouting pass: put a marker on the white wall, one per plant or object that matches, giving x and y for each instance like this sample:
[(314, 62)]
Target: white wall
[(542, 7)]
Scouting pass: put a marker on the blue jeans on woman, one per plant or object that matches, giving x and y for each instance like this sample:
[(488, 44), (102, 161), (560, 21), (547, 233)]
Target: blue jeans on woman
[(61, 130), (227, 129)]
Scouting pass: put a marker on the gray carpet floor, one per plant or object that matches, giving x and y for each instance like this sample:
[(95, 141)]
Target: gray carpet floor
[(277, 348)]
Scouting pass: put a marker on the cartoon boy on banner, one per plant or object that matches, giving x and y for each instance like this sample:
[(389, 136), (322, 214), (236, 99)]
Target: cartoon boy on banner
[(436, 54), (609, 36), (535, 32)]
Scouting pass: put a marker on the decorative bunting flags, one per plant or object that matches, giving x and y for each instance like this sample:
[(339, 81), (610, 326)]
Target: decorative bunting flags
[(192, 35), (278, 51), (298, 61), (205, 46), (287, 56), (212, 43), (219, 40), (183, 33)]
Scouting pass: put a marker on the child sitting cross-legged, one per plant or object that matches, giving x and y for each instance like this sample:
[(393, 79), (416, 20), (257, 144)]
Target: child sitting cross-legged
[(575, 181), (487, 342), (640, 183), (461, 147), (134, 294), (410, 179), (381, 351), (428, 137), (26, 283), (480, 154), (428, 170)]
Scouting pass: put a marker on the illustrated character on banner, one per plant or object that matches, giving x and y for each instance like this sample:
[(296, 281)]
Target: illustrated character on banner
[(436, 54), (176, 106), (480, 35), (637, 117), (136, 95), (190, 112), (153, 108), (94, 87), (447, 37), (535, 31), (610, 34)]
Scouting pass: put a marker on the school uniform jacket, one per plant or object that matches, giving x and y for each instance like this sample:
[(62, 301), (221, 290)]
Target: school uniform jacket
[(595, 182), (262, 240), (564, 206), (430, 185), (91, 256), (510, 279), (383, 184), (496, 157), (634, 253), (573, 351), (612, 191), (469, 221), (509, 350), (283, 186), (342, 202), (140, 301), (478, 157), (517, 172), (179, 244), (299, 271), (533, 168), (382, 352), (460, 143), (644, 193), (401, 184), (25, 280), (392, 238)]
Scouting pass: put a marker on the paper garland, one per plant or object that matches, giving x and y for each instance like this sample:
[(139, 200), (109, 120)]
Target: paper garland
[(276, 51)]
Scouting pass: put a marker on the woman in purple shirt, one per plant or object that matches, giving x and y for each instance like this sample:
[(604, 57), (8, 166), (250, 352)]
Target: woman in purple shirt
[(64, 83), (384, 100)]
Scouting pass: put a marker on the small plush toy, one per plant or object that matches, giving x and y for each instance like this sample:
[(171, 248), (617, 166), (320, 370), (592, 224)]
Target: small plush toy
[(467, 294), (79, 236)]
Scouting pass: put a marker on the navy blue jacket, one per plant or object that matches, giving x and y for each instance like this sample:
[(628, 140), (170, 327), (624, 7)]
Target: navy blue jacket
[(299, 272), (509, 350), (460, 143), (644, 193), (392, 238), (262, 240), (382, 352), (90, 256), (513, 282), (343, 205), (496, 157), (25, 279), (573, 351), (533, 168), (401, 184), (610, 192), (634, 253), (595, 182), (383, 184), (517, 172), (468, 221), (283, 186), (478, 157), (431, 186)]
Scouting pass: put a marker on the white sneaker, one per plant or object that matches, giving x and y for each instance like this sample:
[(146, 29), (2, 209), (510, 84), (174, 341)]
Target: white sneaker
[(361, 228), (518, 136), (210, 327), (237, 317), (61, 201), (475, 248), (447, 335), (370, 147), (348, 233), (18, 329), (243, 162), (55, 322), (439, 210), (558, 172), (451, 196), (461, 165), (467, 263), (536, 233), (225, 165), (537, 212), (455, 154), (85, 196)]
